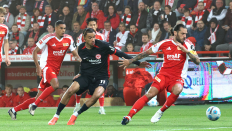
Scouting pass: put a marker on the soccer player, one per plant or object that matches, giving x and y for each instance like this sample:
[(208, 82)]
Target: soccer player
[(94, 73), (4, 36), (91, 23), (171, 76), (54, 47)]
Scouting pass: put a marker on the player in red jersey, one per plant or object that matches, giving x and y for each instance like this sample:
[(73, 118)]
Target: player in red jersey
[(91, 23), (54, 47), (171, 76), (4, 36)]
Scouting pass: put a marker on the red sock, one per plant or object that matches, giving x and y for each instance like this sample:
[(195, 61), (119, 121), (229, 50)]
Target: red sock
[(101, 100), (171, 99), (139, 104), (78, 98), (44, 95), (24, 105)]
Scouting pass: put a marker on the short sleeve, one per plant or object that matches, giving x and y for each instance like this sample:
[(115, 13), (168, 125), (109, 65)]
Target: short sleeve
[(6, 36), (191, 48), (155, 48), (110, 49), (79, 40), (72, 45), (41, 43)]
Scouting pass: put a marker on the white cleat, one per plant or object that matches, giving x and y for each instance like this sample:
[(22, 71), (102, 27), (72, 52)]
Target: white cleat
[(157, 116), (77, 107), (31, 109), (102, 111)]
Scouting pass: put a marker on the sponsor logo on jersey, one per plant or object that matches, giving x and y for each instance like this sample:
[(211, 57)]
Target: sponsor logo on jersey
[(158, 79), (65, 44), (178, 48), (174, 57), (98, 56), (59, 53), (40, 42), (97, 61), (169, 48), (112, 48), (53, 73), (2, 32), (54, 44)]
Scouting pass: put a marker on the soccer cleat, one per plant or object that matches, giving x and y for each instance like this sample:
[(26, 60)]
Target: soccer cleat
[(126, 120), (77, 107), (72, 120), (102, 111), (12, 115), (157, 116), (53, 121), (32, 109)]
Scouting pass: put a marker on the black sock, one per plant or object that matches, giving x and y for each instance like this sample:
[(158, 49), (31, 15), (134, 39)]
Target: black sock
[(83, 108), (60, 108)]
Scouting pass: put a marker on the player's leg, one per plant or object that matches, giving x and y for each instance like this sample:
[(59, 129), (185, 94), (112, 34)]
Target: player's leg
[(13, 111), (101, 102), (77, 107)]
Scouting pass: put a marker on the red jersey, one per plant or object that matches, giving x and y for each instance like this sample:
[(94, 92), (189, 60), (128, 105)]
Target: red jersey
[(29, 50), (3, 35), (2, 104), (98, 36), (48, 102), (146, 47), (8, 100), (71, 102), (54, 50), (175, 62), (20, 99)]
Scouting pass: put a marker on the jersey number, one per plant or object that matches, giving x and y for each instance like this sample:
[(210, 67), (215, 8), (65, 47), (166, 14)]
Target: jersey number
[(102, 82)]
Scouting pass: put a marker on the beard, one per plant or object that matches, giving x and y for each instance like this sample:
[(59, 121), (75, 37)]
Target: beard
[(179, 40)]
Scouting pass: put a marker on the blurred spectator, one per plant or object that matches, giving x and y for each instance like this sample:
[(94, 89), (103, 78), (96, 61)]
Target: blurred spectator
[(112, 17), (50, 29), (14, 48), (36, 18), (111, 92), (219, 12), (156, 15), (69, 3), (228, 18), (206, 4), (55, 4), (9, 18), (135, 37), (9, 96), (72, 100), (23, 20), (29, 4), (96, 13), (126, 18), (121, 37), (214, 36), (48, 102), (117, 4), (15, 34), (199, 35), (171, 3), (14, 7), (227, 3), (109, 32), (214, 2), (129, 47), (169, 15), (80, 16), (146, 43), (187, 19), (166, 31), (85, 3), (41, 4), (155, 34), (66, 17), (139, 19), (30, 46), (182, 4), (228, 41), (3, 2), (149, 3), (2, 104), (48, 18), (134, 6), (76, 31), (201, 14), (35, 33), (21, 97)]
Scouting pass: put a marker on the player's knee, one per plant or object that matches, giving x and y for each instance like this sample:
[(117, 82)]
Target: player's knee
[(55, 86), (177, 90), (150, 95)]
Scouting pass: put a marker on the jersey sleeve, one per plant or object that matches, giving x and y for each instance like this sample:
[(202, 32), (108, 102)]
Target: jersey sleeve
[(191, 48), (72, 45), (79, 40), (155, 48), (110, 49), (41, 43), (6, 36)]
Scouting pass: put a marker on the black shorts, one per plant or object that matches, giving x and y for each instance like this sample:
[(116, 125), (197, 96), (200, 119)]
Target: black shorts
[(90, 83)]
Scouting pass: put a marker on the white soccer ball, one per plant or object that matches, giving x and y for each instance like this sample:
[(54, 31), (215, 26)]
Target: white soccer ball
[(153, 102), (213, 113)]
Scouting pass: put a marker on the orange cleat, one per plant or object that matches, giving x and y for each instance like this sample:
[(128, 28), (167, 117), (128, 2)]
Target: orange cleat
[(53, 121), (72, 120)]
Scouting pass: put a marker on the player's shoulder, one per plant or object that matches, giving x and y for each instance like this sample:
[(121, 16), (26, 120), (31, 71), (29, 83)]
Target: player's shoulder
[(3, 26), (102, 44), (49, 36), (67, 36)]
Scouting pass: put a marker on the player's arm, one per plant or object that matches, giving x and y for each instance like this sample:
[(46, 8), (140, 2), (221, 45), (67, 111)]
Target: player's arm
[(35, 58), (6, 49), (76, 56)]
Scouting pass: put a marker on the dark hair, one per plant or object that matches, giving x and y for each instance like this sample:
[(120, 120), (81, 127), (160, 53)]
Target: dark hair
[(88, 30), (186, 10), (107, 21), (59, 22), (169, 7), (128, 7), (167, 22), (65, 86), (145, 34), (201, 2), (34, 10), (76, 22), (13, 40), (177, 27), (9, 85), (121, 23), (14, 25), (20, 87), (91, 19), (51, 25), (35, 23), (109, 7), (133, 25)]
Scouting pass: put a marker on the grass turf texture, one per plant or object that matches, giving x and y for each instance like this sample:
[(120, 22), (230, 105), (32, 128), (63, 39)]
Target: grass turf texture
[(178, 117)]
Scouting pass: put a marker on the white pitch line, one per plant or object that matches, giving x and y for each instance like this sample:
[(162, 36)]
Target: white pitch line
[(193, 129)]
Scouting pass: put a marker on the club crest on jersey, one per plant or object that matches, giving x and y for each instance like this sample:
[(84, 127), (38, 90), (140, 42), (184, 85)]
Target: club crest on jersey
[(178, 48), (2, 32), (65, 44), (98, 56)]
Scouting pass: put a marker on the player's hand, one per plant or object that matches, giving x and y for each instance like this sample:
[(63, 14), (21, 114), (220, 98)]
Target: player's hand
[(78, 75), (124, 63), (39, 71), (78, 59), (7, 62), (182, 48), (145, 64)]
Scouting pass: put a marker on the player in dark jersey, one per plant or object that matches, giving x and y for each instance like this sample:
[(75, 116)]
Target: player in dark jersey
[(94, 73)]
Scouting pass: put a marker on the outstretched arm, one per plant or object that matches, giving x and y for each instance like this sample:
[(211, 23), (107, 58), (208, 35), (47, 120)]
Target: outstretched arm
[(141, 55), (194, 57)]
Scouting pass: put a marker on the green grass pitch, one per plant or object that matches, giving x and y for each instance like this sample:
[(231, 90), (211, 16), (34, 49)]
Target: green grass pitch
[(179, 117)]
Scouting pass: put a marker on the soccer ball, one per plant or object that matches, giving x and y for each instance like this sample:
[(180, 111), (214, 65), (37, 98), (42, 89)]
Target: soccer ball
[(213, 113), (153, 102)]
